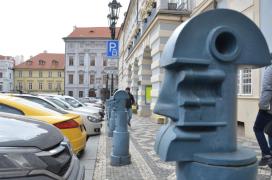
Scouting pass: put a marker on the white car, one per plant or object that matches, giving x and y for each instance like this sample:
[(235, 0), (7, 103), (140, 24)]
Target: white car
[(91, 121), (80, 106)]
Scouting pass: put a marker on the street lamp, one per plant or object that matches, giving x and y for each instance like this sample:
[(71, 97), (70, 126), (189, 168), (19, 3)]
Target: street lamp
[(114, 10)]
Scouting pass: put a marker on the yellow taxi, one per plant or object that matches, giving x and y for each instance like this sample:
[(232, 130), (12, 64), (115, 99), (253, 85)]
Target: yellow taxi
[(70, 125)]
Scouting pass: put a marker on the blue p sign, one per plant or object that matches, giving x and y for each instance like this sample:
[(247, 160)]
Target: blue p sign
[(113, 49)]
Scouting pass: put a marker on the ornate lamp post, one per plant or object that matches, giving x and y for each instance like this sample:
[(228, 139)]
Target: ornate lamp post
[(114, 10)]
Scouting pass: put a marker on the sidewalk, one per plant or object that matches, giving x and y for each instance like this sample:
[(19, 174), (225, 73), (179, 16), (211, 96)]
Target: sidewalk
[(146, 165)]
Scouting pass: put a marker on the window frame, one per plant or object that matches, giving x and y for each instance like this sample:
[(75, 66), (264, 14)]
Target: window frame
[(242, 85)]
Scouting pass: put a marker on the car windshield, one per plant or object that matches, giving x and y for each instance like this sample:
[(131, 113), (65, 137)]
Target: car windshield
[(59, 103), (74, 103)]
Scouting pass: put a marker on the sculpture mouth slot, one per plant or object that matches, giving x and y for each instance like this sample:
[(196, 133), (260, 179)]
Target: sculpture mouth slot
[(226, 43), (198, 129)]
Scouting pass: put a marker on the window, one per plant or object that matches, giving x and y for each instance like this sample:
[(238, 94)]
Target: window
[(80, 78), (29, 62), (58, 86), (20, 85), (55, 62), (1, 87), (80, 94), (105, 61), (244, 82), (81, 60), (92, 79), (40, 74), (71, 78), (40, 86), (50, 86), (9, 75), (20, 73), (8, 109), (70, 93), (41, 62), (59, 103), (30, 73), (92, 60), (49, 74), (30, 86), (81, 44), (1, 75), (105, 77), (71, 60), (59, 74)]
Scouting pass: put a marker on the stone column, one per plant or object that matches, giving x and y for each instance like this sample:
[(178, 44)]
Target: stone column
[(144, 74)]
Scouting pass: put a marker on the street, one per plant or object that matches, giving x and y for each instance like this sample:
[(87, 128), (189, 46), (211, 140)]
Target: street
[(145, 165)]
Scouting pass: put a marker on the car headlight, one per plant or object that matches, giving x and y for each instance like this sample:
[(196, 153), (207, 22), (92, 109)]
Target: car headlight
[(17, 162), (92, 119)]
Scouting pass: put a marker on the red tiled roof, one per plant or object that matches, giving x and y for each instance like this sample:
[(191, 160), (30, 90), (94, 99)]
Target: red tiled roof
[(43, 61), (92, 32)]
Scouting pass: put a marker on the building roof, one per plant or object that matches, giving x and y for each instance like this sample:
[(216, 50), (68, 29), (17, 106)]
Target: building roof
[(43, 61), (91, 32), (7, 58)]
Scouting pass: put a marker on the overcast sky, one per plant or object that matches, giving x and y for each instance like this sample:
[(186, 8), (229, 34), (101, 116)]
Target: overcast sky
[(28, 27)]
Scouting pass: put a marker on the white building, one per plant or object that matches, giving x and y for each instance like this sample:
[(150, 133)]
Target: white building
[(88, 71), (145, 31), (6, 73)]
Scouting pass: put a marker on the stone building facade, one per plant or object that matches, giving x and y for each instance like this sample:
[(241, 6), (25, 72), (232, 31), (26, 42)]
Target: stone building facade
[(88, 71), (147, 26)]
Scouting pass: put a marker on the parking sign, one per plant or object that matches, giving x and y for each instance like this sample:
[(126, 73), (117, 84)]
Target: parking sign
[(113, 49)]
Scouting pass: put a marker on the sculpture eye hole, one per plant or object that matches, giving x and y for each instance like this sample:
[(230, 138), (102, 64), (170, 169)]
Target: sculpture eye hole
[(226, 43)]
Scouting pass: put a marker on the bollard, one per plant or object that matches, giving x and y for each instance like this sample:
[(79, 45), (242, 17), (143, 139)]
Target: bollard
[(108, 113), (200, 60), (120, 142), (112, 116)]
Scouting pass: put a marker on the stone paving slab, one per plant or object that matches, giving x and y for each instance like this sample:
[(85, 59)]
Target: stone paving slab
[(146, 165), (88, 159)]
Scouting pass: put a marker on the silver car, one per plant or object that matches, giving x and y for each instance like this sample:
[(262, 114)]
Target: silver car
[(33, 150)]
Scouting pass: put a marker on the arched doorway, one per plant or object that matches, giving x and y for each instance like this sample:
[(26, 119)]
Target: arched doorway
[(144, 82), (92, 92)]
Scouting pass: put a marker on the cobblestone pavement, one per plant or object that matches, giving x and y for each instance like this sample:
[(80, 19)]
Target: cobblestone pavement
[(146, 165)]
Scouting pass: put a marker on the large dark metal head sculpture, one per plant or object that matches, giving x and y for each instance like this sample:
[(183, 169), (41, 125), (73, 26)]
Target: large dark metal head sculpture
[(198, 93)]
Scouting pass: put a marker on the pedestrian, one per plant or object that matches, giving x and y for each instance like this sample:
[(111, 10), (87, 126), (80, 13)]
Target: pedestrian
[(263, 118), (130, 101)]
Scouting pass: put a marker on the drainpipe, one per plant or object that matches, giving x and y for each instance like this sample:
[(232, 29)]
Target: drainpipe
[(137, 13)]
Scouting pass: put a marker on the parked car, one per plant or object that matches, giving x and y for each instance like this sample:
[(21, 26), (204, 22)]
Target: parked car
[(71, 125), (92, 102), (91, 122), (78, 106), (33, 150)]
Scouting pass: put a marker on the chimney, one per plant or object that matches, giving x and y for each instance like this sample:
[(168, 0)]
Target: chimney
[(74, 27), (44, 51)]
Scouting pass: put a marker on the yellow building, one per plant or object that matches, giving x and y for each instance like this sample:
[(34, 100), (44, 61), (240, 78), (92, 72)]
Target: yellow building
[(43, 73)]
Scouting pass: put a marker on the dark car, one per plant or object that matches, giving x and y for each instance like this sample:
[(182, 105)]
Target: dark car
[(33, 150)]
